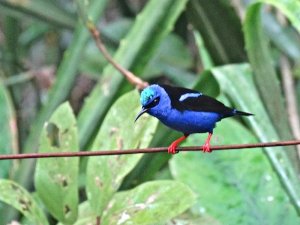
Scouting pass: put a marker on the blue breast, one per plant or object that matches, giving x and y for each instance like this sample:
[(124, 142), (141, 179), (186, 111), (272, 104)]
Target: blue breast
[(190, 122)]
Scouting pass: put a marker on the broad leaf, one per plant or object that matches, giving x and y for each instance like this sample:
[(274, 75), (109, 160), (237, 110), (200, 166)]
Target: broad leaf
[(220, 29), (146, 34), (60, 90), (118, 131), (8, 131), (234, 187), (93, 60), (172, 53), (290, 8), (149, 203), (36, 8), (85, 215), (9, 137), (245, 96), (66, 72), (13, 194), (56, 179), (189, 218), (265, 76), (285, 38)]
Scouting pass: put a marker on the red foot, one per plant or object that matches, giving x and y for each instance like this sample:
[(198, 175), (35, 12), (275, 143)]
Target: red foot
[(173, 146), (172, 149), (206, 146)]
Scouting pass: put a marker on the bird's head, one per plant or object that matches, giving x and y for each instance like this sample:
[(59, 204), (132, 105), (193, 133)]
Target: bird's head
[(154, 100)]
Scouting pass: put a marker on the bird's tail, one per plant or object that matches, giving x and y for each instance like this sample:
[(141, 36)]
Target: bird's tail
[(240, 113)]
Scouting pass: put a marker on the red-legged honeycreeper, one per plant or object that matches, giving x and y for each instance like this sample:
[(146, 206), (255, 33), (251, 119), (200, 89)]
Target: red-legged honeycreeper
[(185, 110)]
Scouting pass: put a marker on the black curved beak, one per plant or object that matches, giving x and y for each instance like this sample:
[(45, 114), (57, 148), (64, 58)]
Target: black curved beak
[(144, 110)]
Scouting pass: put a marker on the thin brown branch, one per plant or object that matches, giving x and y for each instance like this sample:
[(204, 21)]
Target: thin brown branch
[(145, 150), (98, 220), (133, 79)]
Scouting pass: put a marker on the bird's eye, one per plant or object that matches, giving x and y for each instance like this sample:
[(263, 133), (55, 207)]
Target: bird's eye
[(153, 103)]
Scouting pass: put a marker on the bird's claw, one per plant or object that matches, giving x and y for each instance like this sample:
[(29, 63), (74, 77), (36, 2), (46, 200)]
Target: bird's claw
[(173, 146), (206, 148), (172, 149)]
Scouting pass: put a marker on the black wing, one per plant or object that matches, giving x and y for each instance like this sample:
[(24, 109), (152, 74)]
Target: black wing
[(202, 103)]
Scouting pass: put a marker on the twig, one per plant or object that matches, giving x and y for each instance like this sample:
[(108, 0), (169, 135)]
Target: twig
[(98, 220), (145, 150), (133, 79)]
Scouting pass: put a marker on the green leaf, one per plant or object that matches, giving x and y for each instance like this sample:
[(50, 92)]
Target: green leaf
[(93, 60), (150, 203), (290, 8), (9, 137), (56, 179), (117, 30), (54, 14), (245, 96), (189, 218), (8, 131), (265, 76), (220, 29), (234, 187), (146, 34), (203, 52), (171, 53), (16, 196), (118, 131), (284, 37), (85, 215), (66, 73), (65, 77)]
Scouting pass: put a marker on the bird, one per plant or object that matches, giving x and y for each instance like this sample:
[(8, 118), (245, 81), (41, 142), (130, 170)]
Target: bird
[(185, 110)]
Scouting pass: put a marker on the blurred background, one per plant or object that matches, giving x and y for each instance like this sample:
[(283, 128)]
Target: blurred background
[(245, 53)]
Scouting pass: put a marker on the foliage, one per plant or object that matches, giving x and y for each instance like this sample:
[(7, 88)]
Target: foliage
[(57, 94)]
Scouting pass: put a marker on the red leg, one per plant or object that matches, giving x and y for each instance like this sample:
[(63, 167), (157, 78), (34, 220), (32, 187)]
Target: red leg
[(173, 146), (206, 146)]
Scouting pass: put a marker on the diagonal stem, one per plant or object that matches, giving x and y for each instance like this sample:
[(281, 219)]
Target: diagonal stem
[(133, 79)]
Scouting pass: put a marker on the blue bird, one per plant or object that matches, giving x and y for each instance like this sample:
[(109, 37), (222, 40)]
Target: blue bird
[(185, 110)]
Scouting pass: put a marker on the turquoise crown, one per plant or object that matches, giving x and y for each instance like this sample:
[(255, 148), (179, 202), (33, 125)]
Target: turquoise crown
[(146, 95)]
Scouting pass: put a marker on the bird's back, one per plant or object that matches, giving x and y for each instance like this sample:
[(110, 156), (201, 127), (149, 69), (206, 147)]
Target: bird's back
[(194, 112), (184, 99), (185, 110)]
